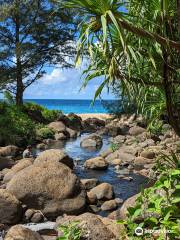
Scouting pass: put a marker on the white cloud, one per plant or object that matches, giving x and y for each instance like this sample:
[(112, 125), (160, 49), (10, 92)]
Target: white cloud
[(56, 76), (64, 84)]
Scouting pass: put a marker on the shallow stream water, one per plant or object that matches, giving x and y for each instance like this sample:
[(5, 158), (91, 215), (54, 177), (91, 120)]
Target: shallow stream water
[(123, 188)]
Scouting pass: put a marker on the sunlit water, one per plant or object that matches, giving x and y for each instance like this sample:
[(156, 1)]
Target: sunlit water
[(123, 188)]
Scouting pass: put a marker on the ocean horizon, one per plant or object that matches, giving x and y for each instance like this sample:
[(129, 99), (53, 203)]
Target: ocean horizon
[(77, 106)]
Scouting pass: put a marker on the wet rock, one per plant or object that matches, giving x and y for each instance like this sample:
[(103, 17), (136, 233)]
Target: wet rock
[(7, 151), (37, 217), (125, 178), (93, 141), (91, 198), (72, 133), (136, 130), (94, 208), (148, 154), (89, 183), (29, 213), (119, 139), (116, 162), (94, 227), (22, 164), (97, 163), (104, 191), (54, 155), (93, 124), (21, 233), (113, 131), (57, 126), (119, 201), (119, 154), (142, 161), (74, 122), (109, 205), (60, 136), (6, 162), (50, 187), (10, 208)]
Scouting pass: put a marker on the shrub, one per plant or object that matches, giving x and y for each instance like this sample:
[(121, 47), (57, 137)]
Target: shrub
[(51, 115), (71, 231), (45, 133), (16, 127), (48, 115), (158, 207)]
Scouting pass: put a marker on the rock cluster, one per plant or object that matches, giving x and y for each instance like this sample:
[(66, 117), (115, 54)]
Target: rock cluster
[(46, 188)]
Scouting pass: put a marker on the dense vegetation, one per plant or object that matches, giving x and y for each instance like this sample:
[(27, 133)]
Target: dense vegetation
[(157, 209), (23, 125), (135, 46)]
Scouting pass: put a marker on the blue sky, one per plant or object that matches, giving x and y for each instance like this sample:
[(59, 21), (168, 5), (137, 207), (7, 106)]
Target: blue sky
[(64, 84)]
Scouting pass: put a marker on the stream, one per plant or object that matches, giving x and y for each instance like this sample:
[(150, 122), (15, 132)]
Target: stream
[(123, 188)]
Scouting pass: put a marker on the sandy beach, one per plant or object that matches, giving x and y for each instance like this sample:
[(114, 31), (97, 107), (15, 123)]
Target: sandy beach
[(102, 116)]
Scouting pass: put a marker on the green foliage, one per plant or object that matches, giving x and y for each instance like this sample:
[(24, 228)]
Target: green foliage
[(45, 133), (48, 115), (135, 50), (51, 115), (114, 146), (157, 208), (34, 34), (71, 231), (16, 126)]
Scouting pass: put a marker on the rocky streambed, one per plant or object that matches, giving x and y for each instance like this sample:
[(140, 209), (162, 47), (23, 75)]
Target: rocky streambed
[(90, 172)]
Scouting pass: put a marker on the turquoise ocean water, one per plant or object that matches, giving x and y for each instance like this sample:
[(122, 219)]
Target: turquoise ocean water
[(75, 106)]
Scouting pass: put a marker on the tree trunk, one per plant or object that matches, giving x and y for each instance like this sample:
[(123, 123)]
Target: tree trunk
[(19, 91), (170, 105), (19, 78), (178, 16)]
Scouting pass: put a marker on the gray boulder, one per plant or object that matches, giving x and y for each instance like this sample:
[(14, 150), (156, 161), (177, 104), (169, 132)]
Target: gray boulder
[(109, 205), (10, 208), (50, 187), (97, 163), (7, 151), (89, 183), (104, 191), (136, 130), (18, 232), (93, 227), (54, 155), (92, 141), (22, 164), (57, 126)]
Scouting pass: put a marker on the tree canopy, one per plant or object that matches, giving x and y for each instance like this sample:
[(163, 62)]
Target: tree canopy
[(135, 45), (33, 35)]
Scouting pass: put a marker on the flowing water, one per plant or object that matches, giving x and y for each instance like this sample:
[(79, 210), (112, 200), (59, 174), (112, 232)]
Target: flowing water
[(123, 188)]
